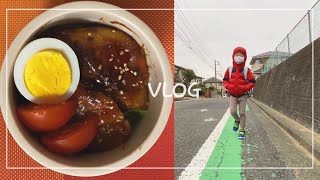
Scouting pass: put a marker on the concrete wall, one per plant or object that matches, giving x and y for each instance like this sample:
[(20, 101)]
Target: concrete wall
[(287, 88)]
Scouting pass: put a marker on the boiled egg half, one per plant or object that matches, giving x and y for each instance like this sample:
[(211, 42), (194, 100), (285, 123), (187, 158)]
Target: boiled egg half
[(46, 71)]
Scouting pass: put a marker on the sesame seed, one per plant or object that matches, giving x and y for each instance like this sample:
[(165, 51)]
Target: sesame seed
[(121, 92), (118, 120), (113, 31), (131, 71), (89, 34), (111, 107), (126, 69), (100, 66), (127, 50), (119, 77), (125, 64), (140, 81), (113, 115), (98, 81), (135, 73), (121, 72), (111, 129), (131, 59), (121, 53), (102, 121), (115, 67), (124, 82), (133, 85), (111, 55), (110, 59)]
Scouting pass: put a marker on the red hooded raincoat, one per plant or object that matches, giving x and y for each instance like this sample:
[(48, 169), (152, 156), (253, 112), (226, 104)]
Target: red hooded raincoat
[(237, 85)]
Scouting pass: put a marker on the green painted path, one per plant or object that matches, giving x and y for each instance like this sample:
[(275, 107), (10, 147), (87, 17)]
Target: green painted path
[(226, 154), (247, 108)]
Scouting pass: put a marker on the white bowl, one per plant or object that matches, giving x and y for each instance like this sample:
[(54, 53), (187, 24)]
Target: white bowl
[(144, 135)]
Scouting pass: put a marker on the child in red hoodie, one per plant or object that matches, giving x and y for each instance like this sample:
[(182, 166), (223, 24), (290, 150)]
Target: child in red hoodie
[(238, 83)]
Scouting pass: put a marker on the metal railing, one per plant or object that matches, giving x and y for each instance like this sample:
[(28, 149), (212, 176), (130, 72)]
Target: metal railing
[(306, 31)]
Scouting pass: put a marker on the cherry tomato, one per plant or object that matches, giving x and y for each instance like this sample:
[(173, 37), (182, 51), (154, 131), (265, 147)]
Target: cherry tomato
[(46, 117), (71, 138)]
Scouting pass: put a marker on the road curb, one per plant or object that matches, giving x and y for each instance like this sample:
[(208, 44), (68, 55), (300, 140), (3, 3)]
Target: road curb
[(299, 132)]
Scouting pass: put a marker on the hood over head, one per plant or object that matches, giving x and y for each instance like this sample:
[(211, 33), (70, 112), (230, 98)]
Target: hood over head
[(244, 52)]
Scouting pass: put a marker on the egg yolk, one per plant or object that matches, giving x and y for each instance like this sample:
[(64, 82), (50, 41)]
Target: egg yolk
[(47, 74)]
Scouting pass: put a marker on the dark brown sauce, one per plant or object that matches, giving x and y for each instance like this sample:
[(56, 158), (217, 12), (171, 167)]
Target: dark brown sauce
[(114, 77)]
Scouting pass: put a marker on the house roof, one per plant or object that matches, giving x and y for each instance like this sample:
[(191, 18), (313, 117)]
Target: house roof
[(179, 67), (212, 80), (268, 54)]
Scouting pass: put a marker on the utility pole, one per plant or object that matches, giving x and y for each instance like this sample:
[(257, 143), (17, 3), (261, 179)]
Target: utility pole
[(215, 73)]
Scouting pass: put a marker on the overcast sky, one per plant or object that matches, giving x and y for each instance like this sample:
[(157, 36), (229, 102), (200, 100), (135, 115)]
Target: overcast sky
[(221, 31)]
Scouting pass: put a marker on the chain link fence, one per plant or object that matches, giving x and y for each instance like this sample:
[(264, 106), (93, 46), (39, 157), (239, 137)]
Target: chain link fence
[(306, 31)]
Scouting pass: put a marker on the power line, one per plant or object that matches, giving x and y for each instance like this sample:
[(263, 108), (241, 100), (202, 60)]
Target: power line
[(195, 50), (190, 29), (191, 39), (190, 43), (187, 25)]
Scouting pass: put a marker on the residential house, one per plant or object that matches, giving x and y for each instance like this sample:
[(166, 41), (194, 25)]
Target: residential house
[(263, 62), (213, 82), (198, 80), (178, 70)]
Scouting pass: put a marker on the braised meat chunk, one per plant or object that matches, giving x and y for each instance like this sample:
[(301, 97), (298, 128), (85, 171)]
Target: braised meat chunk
[(110, 61), (113, 128)]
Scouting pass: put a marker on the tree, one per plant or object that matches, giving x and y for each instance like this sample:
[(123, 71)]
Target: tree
[(188, 76), (177, 78), (211, 88), (200, 86)]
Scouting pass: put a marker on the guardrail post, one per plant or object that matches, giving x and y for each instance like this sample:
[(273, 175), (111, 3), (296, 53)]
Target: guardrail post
[(277, 57), (288, 45), (310, 30)]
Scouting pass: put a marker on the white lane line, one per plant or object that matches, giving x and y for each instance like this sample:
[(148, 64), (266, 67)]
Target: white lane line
[(210, 119), (204, 110), (199, 161)]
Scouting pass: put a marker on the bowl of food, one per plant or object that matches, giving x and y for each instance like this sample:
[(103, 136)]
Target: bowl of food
[(78, 99)]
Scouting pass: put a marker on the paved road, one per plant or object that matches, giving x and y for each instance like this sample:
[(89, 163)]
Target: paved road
[(194, 121), (267, 145)]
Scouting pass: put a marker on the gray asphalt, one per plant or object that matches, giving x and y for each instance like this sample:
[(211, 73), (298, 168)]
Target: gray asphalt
[(191, 130), (266, 145)]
